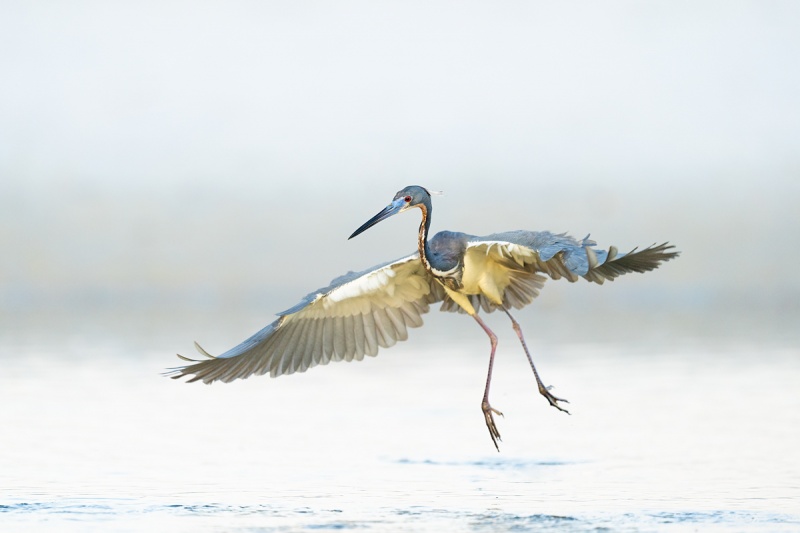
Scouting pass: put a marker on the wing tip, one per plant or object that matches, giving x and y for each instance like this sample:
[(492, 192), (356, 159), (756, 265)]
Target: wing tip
[(186, 370), (202, 351)]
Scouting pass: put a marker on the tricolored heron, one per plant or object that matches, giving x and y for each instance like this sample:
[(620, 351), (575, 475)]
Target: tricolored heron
[(361, 311)]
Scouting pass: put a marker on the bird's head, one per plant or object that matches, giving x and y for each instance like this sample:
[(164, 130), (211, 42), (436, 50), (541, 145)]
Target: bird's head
[(411, 196)]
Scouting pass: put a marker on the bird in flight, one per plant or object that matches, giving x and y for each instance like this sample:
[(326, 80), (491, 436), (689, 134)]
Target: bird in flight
[(363, 311)]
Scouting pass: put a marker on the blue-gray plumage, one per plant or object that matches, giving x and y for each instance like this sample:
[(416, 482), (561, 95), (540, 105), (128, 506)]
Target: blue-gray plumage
[(362, 311)]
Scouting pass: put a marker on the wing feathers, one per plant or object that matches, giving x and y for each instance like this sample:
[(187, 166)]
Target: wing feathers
[(413, 311), (327, 341), (382, 326), (310, 346), (509, 269), (359, 337), (634, 261), (396, 316), (349, 338), (354, 316), (338, 338), (370, 334)]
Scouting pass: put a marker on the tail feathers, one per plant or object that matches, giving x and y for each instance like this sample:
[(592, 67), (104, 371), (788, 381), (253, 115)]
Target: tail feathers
[(614, 265)]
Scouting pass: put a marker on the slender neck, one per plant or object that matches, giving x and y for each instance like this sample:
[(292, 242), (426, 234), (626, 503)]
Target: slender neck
[(422, 238)]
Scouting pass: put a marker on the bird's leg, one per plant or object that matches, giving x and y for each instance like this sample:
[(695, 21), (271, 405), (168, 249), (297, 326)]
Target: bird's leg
[(544, 391), (488, 410)]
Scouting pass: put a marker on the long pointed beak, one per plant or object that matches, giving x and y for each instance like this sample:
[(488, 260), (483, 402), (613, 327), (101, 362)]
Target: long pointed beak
[(391, 209)]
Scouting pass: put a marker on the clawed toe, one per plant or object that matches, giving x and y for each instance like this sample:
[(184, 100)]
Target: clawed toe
[(488, 415), (552, 399)]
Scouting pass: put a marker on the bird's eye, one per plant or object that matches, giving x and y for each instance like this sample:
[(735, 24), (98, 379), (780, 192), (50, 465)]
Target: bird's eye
[(407, 199)]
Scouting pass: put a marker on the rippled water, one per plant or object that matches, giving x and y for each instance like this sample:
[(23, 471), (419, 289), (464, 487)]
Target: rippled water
[(691, 439)]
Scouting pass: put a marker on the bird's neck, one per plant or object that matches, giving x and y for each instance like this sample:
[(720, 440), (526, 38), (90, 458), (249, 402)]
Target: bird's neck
[(422, 238), (450, 278)]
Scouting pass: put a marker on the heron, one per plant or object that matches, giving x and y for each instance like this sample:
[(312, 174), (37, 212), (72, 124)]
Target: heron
[(360, 312)]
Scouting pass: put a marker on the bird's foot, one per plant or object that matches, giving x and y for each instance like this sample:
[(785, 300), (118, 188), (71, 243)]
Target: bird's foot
[(488, 414), (545, 391)]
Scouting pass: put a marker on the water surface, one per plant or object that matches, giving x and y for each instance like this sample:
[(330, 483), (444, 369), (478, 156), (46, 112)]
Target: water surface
[(684, 440)]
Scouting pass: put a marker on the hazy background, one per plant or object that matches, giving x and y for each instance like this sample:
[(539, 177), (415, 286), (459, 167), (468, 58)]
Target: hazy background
[(182, 170), (172, 171)]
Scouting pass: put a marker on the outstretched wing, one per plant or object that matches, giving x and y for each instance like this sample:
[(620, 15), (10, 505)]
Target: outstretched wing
[(509, 268), (352, 317)]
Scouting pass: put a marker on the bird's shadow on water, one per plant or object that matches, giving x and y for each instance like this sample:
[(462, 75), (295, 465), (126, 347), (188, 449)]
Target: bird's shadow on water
[(489, 464)]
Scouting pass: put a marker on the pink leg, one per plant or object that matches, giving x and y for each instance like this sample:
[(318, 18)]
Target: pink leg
[(544, 391), (487, 409)]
